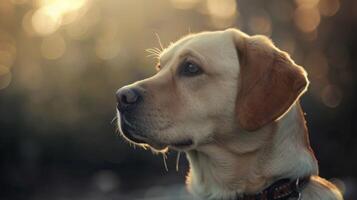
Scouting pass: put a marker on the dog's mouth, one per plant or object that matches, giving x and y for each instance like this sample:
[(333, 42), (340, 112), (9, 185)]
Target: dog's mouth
[(181, 145), (130, 132)]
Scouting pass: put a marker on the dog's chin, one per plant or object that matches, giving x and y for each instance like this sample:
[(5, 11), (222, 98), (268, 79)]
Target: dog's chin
[(135, 138), (185, 145), (182, 145), (155, 146), (158, 147), (131, 134)]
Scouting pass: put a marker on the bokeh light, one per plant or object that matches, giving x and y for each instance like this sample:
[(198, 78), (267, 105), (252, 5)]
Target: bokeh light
[(331, 96), (221, 9), (45, 21), (260, 25), (307, 18), (51, 14), (329, 7), (222, 13)]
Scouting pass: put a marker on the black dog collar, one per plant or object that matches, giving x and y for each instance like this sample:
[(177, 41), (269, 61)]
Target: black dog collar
[(282, 189)]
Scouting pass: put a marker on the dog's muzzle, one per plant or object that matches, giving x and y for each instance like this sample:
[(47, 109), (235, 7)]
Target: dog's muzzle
[(128, 100)]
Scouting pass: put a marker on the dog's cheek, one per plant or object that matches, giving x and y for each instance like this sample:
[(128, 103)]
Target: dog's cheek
[(184, 130)]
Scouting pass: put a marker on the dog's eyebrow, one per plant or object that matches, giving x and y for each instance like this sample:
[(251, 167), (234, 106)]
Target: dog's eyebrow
[(188, 53), (193, 54), (179, 56)]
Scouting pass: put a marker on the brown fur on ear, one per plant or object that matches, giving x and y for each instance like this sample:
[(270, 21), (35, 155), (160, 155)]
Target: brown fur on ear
[(270, 82)]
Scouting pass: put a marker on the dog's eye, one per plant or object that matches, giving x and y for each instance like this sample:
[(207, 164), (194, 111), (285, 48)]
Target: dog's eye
[(190, 69)]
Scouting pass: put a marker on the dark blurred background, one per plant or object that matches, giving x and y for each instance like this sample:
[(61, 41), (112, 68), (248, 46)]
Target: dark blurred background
[(61, 62)]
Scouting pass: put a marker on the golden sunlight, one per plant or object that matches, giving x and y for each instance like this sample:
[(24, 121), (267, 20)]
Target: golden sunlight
[(51, 14), (45, 22)]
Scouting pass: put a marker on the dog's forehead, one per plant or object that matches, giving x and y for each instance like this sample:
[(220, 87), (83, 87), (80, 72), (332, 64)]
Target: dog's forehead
[(206, 43)]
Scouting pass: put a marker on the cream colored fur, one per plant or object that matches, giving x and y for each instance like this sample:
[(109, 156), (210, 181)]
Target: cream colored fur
[(223, 169), (225, 159)]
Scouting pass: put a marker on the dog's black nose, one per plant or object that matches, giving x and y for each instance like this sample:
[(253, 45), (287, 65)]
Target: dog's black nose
[(127, 98)]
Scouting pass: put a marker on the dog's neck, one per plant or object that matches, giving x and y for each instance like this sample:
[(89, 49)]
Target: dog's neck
[(247, 162)]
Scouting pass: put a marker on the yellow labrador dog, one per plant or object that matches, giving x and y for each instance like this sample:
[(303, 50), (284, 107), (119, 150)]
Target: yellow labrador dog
[(230, 102)]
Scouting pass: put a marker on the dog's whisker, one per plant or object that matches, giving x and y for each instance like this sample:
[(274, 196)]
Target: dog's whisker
[(164, 157), (116, 117), (153, 56), (157, 50), (144, 147), (153, 50), (178, 161), (159, 41)]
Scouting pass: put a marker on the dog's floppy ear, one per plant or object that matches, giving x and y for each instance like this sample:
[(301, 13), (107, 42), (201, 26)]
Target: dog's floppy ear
[(270, 82)]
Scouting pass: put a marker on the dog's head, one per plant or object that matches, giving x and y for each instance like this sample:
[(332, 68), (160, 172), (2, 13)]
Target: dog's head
[(208, 84)]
